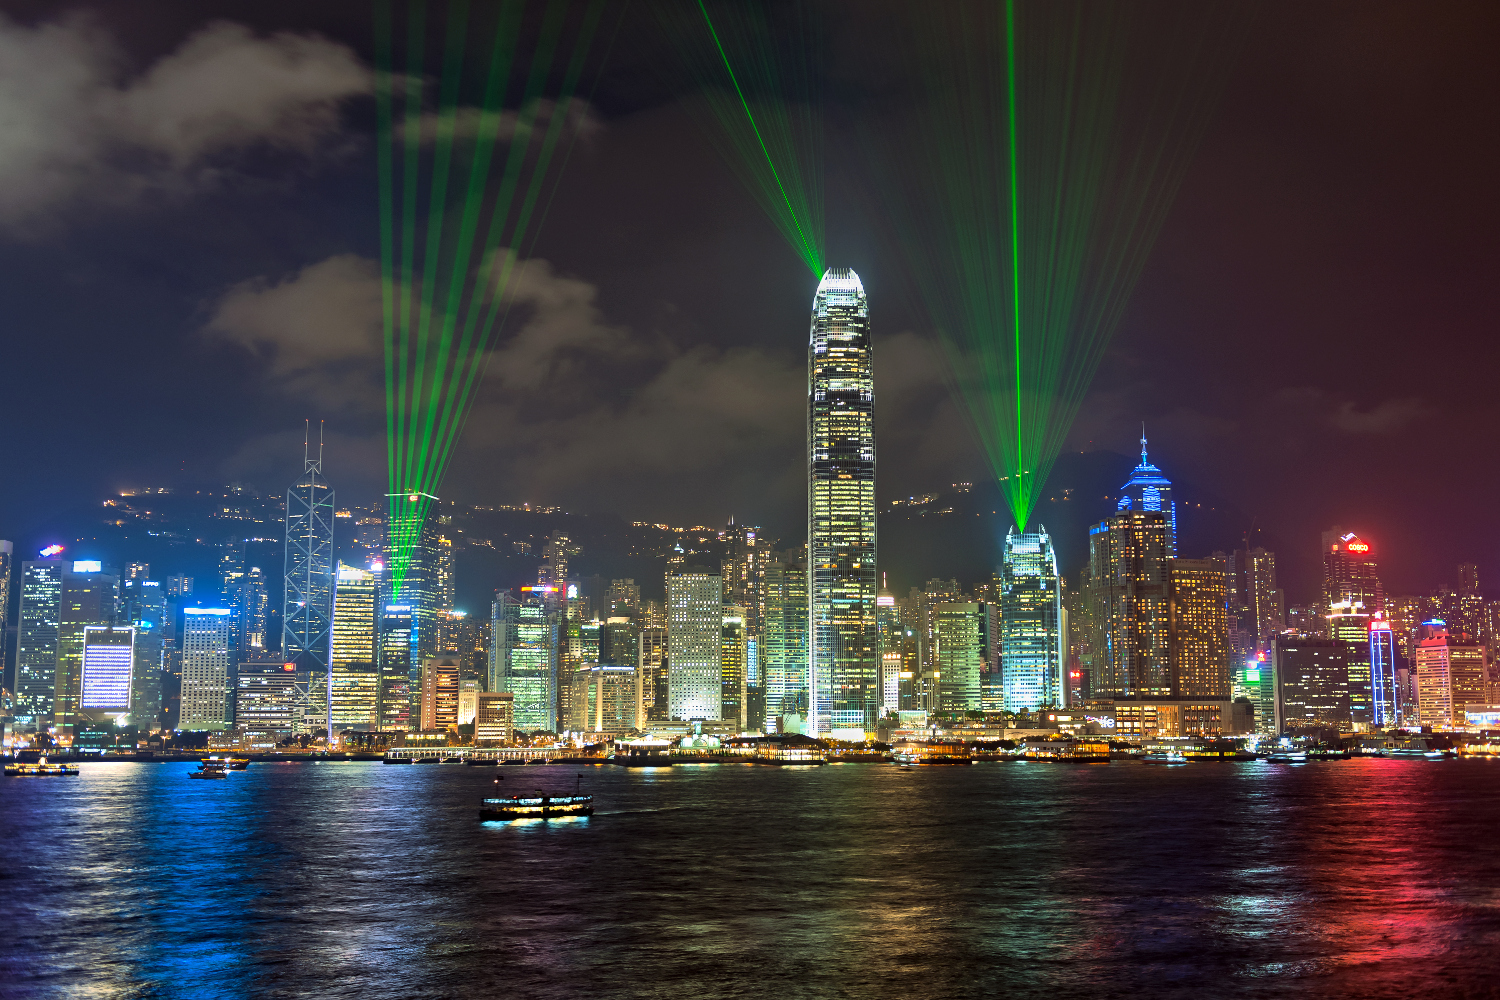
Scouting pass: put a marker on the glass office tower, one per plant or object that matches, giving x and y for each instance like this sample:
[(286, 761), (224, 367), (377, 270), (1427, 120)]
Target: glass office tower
[(1030, 622), (843, 653)]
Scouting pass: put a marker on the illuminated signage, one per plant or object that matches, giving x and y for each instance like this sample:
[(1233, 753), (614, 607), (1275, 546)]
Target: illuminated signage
[(1252, 676), (572, 591), (50, 551), (1380, 626), (87, 566), (1358, 546), (207, 611)]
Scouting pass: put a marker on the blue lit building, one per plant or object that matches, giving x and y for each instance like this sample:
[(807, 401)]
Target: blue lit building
[(1030, 615), (1385, 701), (1148, 489)]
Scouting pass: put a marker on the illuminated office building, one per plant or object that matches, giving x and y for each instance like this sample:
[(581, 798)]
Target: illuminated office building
[(90, 596), (651, 665), (143, 604), (892, 639), (1385, 693), (1128, 574), (494, 718), (419, 569), (354, 650), (1452, 672), (267, 697), (695, 625), (1255, 681), (36, 644), (783, 643), (619, 641), (1255, 600), (1031, 650), (1198, 628), (107, 672), (734, 659), (964, 645), (843, 646), (1148, 489), (395, 671), (1350, 623), (524, 663), (307, 609), (440, 689), (1349, 572), (1312, 682), (605, 699), (207, 640), (745, 573)]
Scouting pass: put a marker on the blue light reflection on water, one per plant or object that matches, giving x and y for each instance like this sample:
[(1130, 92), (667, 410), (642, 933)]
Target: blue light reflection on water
[(1352, 878)]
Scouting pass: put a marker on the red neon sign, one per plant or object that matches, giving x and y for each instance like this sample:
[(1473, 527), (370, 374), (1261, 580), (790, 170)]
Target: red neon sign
[(1358, 546)]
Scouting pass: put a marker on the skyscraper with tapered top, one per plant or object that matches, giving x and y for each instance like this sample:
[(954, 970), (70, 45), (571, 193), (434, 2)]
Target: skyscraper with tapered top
[(843, 641), (1148, 489)]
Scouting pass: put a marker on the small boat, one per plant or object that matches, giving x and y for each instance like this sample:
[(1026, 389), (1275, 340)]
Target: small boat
[(536, 807), (209, 769), (232, 763), (1287, 757), (1164, 757), (39, 769)]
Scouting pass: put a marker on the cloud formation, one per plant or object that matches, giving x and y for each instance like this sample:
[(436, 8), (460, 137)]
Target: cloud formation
[(74, 126)]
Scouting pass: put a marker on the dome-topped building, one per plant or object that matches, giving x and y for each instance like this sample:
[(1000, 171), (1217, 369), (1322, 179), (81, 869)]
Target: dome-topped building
[(1148, 489)]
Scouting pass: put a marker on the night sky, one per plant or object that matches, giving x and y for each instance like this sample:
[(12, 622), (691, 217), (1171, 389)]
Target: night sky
[(188, 229)]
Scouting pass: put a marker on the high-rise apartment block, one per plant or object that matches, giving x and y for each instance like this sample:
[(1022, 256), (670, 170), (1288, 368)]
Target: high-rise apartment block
[(843, 647)]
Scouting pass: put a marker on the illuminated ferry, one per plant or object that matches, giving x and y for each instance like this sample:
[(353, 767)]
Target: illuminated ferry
[(39, 769), (791, 756), (536, 807), (932, 755), (210, 768)]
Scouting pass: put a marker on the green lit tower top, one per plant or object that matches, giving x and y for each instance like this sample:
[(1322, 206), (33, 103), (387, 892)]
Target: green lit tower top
[(843, 653)]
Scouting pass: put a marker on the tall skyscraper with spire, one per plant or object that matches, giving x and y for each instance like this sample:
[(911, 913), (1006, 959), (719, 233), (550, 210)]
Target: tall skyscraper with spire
[(1031, 650), (843, 641), (1148, 489), (307, 616)]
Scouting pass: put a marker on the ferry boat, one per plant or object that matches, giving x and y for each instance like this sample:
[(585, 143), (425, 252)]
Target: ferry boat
[(232, 763), (1287, 756), (1415, 750), (536, 807), (1067, 752), (209, 769), (931, 756), (39, 768), (791, 757), (1164, 757)]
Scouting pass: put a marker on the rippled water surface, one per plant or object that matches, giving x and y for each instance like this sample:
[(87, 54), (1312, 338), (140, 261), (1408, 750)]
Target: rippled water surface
[(1363, 878)]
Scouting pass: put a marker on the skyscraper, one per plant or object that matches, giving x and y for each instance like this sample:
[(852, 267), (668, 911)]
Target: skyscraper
[(36, 644), (207, 640), (1031, 642), (440, 683), (354, 650), (1128, 573), (1312, 682), (843, 647), (734, 650), (1349, 572), (1148, 489), (144, 606), (420, 573), (1385, 696), (1452, 671), (783, 644), (1255, 600), (1198, 628), (307, 614), (892, 641), (108, 662), (745, 573), (524, 660), (651, 667), (695, 624), (90, 596), (964, 647)]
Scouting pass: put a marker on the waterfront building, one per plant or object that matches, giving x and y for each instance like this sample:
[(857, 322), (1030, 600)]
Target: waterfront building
[(783, 644), (734, 660), (1312, 682), (965, 643), (106, 675), (523, 647), (651, 664), (207, 643), (843, 646), (1255, 682), (1198, 628), (1128, 576), (1154, 718), (354, 650), (1349, 622), (1350, 574), (267, 697), (143, 604), (419, 569), (440, 685), (695, 624), (606, 699), (1385, 697), (494, 718), (892, 639), (1031, 650), (1148, 490), (90, 596), (1452, 672)]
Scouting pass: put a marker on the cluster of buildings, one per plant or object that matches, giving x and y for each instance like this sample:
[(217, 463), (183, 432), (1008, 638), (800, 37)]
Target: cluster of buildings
[(1142, 642)]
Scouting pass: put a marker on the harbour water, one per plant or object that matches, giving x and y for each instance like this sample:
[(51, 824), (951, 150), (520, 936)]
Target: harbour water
[(1361, 878)]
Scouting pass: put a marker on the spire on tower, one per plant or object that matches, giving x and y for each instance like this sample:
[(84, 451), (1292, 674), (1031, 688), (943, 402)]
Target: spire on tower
[(1143, 442)]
